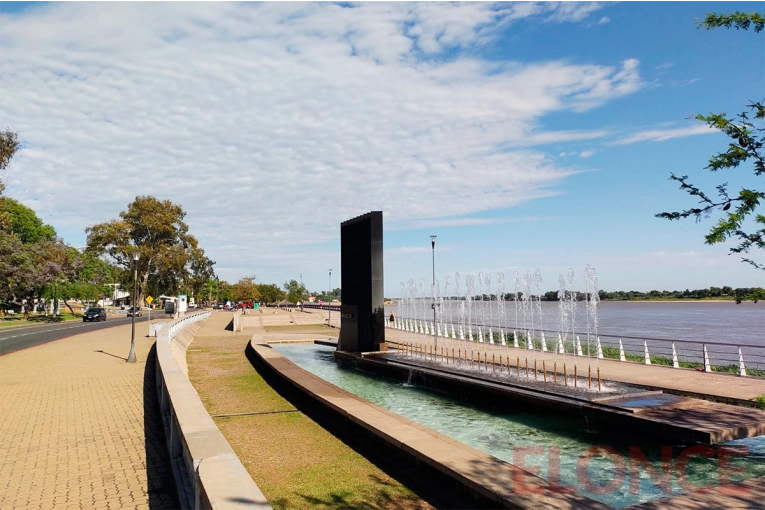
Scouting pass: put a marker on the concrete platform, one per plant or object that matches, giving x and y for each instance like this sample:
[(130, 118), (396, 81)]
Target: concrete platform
[(715, 386)]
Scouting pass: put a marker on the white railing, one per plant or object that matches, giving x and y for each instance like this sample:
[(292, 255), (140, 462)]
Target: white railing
[(739, 358), (207, 472)]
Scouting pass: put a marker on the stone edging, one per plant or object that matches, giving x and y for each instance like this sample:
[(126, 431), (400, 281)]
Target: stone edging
[(475, 471), (207, 472)]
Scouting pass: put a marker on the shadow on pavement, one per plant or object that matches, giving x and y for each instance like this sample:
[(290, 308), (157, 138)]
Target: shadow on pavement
[(112, 355), (159, 472)]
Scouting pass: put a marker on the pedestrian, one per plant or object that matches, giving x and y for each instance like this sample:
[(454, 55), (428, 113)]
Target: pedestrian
[(391, 319)]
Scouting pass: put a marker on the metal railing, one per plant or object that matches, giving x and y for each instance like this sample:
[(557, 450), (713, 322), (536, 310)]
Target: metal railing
[(739, 358)]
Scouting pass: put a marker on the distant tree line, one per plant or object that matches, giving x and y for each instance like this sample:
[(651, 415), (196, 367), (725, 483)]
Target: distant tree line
[(739, 294)]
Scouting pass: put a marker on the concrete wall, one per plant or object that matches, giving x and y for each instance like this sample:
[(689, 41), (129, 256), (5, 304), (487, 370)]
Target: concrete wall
[(207, 472)]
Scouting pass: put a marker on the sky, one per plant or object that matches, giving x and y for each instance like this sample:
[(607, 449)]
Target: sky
[(523, 135)]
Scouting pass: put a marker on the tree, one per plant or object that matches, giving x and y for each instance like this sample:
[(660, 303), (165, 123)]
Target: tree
[(24, 222), (169, 255), (245, 290), (747, 141), (295, 291), (9, 145), (271, 293)]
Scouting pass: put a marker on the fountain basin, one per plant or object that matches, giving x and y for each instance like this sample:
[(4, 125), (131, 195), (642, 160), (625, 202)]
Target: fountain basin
[(669, 417)]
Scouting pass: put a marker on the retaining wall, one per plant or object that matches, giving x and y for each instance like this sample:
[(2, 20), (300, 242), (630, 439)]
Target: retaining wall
[(207, 472)]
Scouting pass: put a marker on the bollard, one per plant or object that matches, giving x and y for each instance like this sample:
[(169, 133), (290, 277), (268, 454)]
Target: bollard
[(589, 376), (493, 367), (544, 371), (565, 378), (527, 368), (555, 372), (535, 371), (574, 376), (518, 364), (598, 378)]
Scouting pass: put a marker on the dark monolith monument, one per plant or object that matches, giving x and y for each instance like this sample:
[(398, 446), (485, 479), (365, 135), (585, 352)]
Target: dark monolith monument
[(362, 319)]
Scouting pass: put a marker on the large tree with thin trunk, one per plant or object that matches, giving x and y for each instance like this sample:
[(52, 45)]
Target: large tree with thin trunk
[(168, 255)]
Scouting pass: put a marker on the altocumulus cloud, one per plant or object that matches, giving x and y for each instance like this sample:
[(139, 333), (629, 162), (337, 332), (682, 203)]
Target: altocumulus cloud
[(301, 115)]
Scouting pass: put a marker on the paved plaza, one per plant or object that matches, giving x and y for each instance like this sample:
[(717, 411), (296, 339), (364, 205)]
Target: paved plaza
[(81, 428)]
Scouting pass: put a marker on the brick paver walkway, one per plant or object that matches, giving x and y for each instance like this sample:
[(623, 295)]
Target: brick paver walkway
[(78, 429)]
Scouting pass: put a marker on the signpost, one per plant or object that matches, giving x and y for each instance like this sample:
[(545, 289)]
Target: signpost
[(149, 299)]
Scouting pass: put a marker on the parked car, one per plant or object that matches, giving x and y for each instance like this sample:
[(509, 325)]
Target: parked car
[(94, 314), (134, 310)]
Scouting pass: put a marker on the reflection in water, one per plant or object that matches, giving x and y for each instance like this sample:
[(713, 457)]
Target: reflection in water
[(502, 433)]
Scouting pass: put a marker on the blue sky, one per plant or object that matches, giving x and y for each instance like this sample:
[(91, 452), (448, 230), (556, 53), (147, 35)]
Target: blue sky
[(523, 135)]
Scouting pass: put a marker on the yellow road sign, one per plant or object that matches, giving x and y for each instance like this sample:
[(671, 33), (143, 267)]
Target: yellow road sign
[(149, 299)]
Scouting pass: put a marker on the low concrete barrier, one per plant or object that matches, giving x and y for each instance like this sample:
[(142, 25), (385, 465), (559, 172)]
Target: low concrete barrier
[(207, 472)]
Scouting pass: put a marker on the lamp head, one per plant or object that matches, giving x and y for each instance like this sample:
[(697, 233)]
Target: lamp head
[(433, 241), (136, 255)]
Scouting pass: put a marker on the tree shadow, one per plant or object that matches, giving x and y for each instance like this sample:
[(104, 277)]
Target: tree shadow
[(159, 472), (426, 482)]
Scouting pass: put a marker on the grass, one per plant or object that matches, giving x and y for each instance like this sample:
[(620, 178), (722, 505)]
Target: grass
[(294, 461), (761, 400), (38, 319)]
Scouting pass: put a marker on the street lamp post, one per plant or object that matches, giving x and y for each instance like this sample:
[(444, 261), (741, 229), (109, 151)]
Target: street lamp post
[(300, 292), (131, 356), (433, 246), (329, 301)]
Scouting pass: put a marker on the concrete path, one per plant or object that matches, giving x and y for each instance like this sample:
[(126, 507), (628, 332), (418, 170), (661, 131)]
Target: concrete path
[(721, 386), (81, 428)]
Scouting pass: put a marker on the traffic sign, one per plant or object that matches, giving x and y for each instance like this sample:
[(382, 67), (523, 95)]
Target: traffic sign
[(149, 299)]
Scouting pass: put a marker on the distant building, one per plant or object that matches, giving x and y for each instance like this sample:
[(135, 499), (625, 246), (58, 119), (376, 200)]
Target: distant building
[(311, 299)]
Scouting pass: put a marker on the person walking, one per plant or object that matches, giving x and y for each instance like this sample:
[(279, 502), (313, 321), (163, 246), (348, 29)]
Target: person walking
[(391, 319)]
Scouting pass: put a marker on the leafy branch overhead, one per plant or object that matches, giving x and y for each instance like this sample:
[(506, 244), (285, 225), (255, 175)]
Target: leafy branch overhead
[(747, 138)]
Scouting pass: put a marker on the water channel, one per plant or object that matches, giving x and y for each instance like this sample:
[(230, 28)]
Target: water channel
[(503, 433)]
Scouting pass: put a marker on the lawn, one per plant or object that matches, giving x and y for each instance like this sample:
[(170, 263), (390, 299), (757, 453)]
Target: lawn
[(294, 461)]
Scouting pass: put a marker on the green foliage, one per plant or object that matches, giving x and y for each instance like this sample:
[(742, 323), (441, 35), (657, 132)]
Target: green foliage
[(747, 138), (170, 257), (331, 296), (295, 291), (9, 145), (761, 400), (24, 222), (271, 293), (739, 294), (245, 290), (737, 20)]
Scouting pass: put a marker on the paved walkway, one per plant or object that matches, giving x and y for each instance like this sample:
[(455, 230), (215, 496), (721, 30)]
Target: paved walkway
[(720, 385), (78, 430)]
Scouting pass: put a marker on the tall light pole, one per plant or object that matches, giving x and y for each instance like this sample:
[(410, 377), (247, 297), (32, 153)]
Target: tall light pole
[(433, 246), (329, 301), (136, 256), (300, 292)]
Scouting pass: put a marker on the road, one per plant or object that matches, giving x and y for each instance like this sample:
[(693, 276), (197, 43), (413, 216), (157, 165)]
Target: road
[(15, 339)]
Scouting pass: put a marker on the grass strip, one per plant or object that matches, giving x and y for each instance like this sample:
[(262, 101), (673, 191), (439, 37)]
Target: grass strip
[(294, 461)]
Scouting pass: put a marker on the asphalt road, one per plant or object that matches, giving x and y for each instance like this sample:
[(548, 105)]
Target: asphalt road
[(15, 339)]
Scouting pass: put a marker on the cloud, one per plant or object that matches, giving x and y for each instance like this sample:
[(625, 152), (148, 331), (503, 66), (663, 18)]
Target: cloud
[(586, 154), (604, 20), (661, 135), (271, 123)]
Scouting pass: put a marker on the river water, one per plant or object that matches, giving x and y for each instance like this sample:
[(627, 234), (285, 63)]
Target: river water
[(702, 321)]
